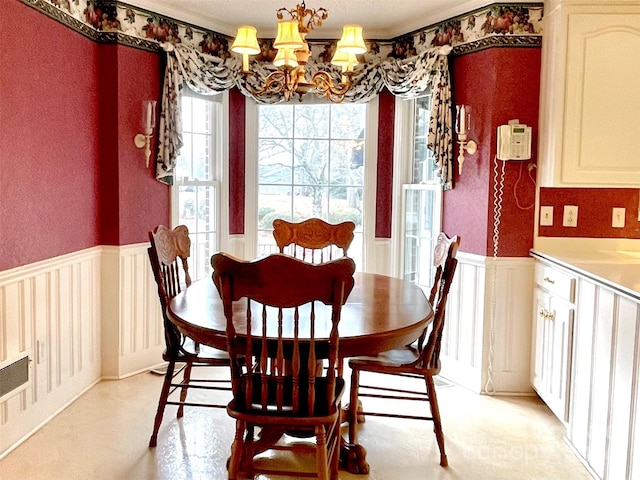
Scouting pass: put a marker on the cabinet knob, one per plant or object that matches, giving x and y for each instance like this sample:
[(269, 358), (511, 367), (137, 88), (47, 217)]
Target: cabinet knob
[(549, 280)]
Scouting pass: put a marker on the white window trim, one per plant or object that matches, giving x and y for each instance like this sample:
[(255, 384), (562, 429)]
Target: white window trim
[(369, 258), (220, 142), (402, 151), (402, 172)]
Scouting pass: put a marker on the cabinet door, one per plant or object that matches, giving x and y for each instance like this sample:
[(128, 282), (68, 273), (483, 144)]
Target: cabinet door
[(551, 362), (538, 351), (560, 339), (602, 98)]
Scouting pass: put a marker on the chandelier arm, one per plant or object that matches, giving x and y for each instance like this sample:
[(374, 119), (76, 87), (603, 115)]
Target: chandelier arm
[(280, 81), (325, 87)]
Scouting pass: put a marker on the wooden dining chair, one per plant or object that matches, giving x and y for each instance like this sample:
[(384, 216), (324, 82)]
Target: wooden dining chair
[(313, 240), (418, 360), (168, 255), (277, 331)]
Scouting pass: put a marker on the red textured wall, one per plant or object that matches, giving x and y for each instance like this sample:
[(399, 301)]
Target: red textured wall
[(62, 141), (237, 120), (143, 201), (48, 147), (499, 84), (594, 212), (384, 187)]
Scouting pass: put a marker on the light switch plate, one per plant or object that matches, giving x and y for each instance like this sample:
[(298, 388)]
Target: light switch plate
[(570, 216), (617, 218), (546, 216)]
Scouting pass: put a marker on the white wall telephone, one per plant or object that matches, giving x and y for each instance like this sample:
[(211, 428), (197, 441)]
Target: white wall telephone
[(514, 141)]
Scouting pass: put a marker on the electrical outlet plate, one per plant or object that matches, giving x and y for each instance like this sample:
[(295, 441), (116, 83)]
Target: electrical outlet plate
[(546, 216), (570, 216), (617, 217)]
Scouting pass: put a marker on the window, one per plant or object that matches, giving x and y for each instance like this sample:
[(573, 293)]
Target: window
[(311, 164), (195, 193), (420, 195)]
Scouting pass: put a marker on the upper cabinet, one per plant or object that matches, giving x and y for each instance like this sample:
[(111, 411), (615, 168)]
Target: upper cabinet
[(590, 98)]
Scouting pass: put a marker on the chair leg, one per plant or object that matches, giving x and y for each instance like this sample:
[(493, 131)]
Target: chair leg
[(322, 465), (353, 405), (162, 403), (186, 378), (236, 452), (437, 424), (334, 446)]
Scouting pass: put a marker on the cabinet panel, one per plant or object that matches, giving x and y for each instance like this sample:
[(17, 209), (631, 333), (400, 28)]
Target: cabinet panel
[(601, 100), (538, 350), (578, 431), (588, 99), (601, 377), (622, 386), (560, 325)]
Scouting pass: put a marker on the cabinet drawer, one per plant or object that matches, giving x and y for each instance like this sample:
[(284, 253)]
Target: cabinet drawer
[(556, 282)]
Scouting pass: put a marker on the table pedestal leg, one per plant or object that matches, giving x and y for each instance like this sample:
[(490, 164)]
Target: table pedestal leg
[(353, 457)]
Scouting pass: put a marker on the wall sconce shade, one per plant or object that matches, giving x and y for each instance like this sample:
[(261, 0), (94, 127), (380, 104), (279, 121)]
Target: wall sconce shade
[(463, 119), (463, 125), (148, 123)]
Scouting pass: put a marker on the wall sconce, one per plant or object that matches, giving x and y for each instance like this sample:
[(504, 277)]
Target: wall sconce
[(463, 125), (143, 140)]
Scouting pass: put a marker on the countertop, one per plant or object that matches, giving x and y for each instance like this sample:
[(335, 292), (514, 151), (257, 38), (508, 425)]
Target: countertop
[(617, 269)]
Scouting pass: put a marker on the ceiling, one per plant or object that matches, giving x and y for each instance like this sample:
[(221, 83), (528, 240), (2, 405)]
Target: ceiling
[(381, 19)]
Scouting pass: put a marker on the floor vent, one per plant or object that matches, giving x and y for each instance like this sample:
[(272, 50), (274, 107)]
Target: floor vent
[(14, 376)]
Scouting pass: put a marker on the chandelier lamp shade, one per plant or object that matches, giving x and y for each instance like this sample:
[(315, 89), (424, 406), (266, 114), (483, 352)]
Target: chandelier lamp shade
[(290, 78)]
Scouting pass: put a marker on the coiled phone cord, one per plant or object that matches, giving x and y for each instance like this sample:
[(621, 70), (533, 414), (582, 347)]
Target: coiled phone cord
[(498, 194)]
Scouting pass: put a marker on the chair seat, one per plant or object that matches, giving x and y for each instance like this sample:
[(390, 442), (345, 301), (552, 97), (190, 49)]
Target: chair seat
[(205, 354), (401, 360)]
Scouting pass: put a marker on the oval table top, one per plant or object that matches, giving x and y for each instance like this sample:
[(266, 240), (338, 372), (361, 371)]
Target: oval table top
[(381, 313)]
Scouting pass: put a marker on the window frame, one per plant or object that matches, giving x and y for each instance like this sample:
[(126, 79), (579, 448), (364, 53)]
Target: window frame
[(218, 167), (404, 142), (369, 184)]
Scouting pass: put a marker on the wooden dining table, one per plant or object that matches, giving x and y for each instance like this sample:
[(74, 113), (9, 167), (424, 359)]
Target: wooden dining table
[(381, 313)]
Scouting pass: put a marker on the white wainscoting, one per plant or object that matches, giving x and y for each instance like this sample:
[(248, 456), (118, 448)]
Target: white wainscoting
[(94, 314), (486, 343), (80, 317)]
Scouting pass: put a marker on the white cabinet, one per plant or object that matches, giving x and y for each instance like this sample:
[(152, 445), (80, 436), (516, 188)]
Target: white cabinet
[(553, 337), (590, 98), (603, 419), (586, 359)]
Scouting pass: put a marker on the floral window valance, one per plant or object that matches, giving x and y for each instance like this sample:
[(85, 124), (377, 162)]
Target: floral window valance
[(209, 75)]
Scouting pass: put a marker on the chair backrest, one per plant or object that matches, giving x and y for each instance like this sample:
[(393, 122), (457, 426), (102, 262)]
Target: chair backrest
[(272, 318), (168, 255), (445, 248), (313, 240), (446, 263)]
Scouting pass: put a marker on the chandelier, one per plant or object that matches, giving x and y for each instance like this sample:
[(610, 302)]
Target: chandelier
[(290, 77)]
